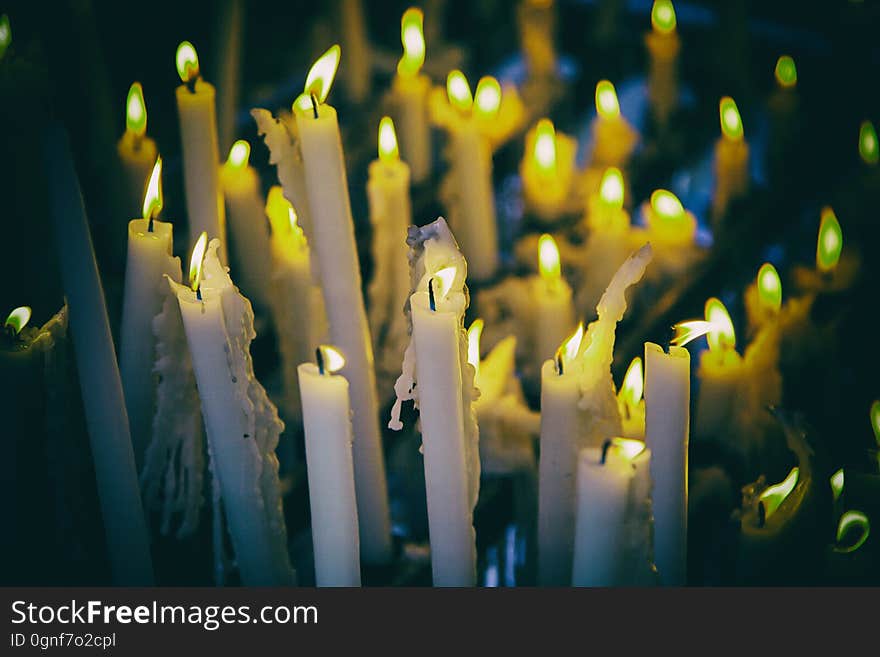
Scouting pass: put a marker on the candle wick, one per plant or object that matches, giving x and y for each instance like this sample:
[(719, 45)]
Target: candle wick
[(559, 368), (314, 105), (319, 357), (199, 292), (762, 514), (431, 300), (191, 84), (605, 447), (150, 224)]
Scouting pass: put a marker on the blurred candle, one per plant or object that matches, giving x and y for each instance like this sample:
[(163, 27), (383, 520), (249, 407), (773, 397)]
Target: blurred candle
[(869, 148), (721, 376), (357, 74), (614, 139), (672, 231), (136, 151), (537, 27), (547, 170), (552, 296), (763, 297), (731, 159), (663, 45)]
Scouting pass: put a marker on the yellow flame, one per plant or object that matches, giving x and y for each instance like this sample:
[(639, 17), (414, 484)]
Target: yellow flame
[(875, 420), (769, 288), (786, 71), (606, 100), (320, 77), (830, 242), (690, 330), (548, 259), (333, 358), (445, 276), (292, 219), (663, 16), (572, 344), (837, 484), (629, 447), (545, 147), (388, 150), (633, 383), (722, 335), (775, 495), (459, 91), (666, 205), (731, 122), (197, 260), (153, 196), (239, 155), (412, 37), (187, 62), (869, 148), (5, 34), (487, 98), (849, 520), (611, 188), (473, 334), (136, 110), (18, 319)]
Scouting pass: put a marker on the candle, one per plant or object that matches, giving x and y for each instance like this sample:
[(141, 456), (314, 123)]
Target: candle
[(547, 171), (630, 401), (611, 545), (358, 69), (201, 159), (242, 424), (663, 45), (333, 242), (150, 243), (247, 223), (869, 147), (409, 98), (731, 159), (672, 231), (537, 26), (328, 437), (437, 375), (136, 151), (499, 112), (614, 139), (552, 296), (763, 297), (667, 402), (390, 215), (128, 545)]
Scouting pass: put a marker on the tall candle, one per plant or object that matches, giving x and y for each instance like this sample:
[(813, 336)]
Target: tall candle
[(547, 170), (663, 45), (242, 424), (137, 152), (731, 159), (328, 437), (357, 76), (614, 139), (201, 158), (333, 243), (552, 296)]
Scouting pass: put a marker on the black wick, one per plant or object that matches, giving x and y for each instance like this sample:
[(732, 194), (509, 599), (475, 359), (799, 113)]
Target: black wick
[(150, 223), (431, 301), (314, 104), (762, 514), (199, 292), (191, 84), (605, 447), (558, 360), (319, 357)]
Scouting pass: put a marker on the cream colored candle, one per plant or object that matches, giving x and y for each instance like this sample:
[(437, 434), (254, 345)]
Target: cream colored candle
[(552, 296), (672, 231), (731, 159), (328, 438), (357, 74), (721, 375), (137, 152), (201, 159), (547, 170), (249, 230), (663, 47), (537, 27), (614, 139)]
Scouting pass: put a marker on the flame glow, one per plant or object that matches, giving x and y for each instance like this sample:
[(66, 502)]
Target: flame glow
[(837, 484), (830, 242), (445, 276), (187, 62), (153, 196), (473, 335), (321, 75), (875, 420), (332, 357), (666, 205), (606, 100), (685, 332), (5, 34), (459, 91), (869, 148), (278, 209), (572, 344), (487, 98), (611, 188), (239, 155), (633, 383), (548, 259), (769, 288), (196, 261), (136, 110), (545, 147), (388, 150), (722, 335), (18, 319), (663, 16), (629, 447), (412, 37), (786, 72), (775, 495), (850, 520), (731, 122)]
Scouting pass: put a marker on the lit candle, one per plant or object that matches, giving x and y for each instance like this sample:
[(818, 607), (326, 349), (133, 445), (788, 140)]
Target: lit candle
[(547, 170), (409, 98), (499, 111), (731, 159), (672, 231), (328, 438), (537, 26), (631, 402), (613, 512), (137, 152), (835, 270), (869, 147), (242, 424), (663, 45), (333, 242), (552, 296), (150, 244), (247, 223), (614, 139), (201, 158), (763, 297)]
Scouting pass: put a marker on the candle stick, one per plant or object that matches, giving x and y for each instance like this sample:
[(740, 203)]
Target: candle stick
[(547, 171), (328, 438), (242, 424), (537, 26), (201, 159), (333, 242), (663, 45), (672, 231), (552, 296), (721, 377), (358, 70), (731, 159), (613, 137), (248, 226), (763, 297), (136, 151)]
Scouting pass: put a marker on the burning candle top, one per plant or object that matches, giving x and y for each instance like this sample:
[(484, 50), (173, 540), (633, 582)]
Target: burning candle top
[(869, 147), (614, 138)]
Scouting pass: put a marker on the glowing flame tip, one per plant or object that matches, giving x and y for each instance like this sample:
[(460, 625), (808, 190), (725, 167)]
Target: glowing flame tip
[(187, 62), (18, 319), (196, 261)]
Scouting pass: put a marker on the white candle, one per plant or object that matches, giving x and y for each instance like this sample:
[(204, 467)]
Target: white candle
[(242, 424), (247, 224), (136, 151), (672, 231), (547, 170), (667, 425), (552, 296), (731, 159), (333, 243), (614, 138), (149, 261), (721, 373), (201, 158), (327, 420), (663, 45)]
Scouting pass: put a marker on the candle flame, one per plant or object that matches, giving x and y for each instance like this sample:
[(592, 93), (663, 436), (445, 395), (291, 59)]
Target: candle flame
[(837, 484), (187, 62), (786, 72), (690, 330), (239, 155), (848, 521), (629, 447), (5, 34), (412, 37), (663, 16), (136, 110), (769, 288), (545, 147), (321, 75), (722, 335), (197, 260), (666, 205), (281, 213), (445, 276), (332, 358), (572, 344), (611, 188), (830, 242), (875, 420), (607, 104), (869, 148), (775, 495), (18, 319), (473, 335), (487, 98), (548, 259), (731, 122), (633, 383), (388, 150), (459, 91), (153, 200)]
